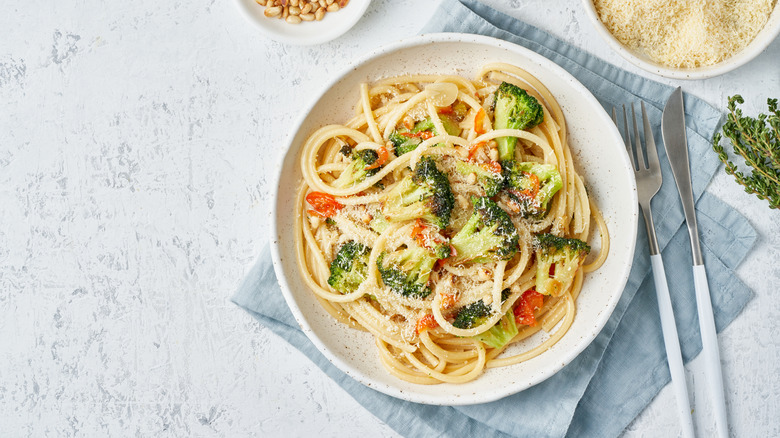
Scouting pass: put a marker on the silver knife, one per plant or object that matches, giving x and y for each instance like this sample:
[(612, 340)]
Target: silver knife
[(676, 145)]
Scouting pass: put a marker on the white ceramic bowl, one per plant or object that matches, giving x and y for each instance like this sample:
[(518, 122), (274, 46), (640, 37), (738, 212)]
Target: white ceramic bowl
[(600, 156), (759, 43), (332, 26)]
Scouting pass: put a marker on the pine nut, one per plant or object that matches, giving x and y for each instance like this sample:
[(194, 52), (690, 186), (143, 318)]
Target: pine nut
[(273, 11), (463, 202), (494, 154), (300, 10), (472, 178), (483, 274)]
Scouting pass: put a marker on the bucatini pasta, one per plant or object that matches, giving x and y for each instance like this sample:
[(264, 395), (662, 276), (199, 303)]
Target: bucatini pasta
[(447, 219)]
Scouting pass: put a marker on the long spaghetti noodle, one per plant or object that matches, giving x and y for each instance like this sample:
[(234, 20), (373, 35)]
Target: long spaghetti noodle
[(418, 335)]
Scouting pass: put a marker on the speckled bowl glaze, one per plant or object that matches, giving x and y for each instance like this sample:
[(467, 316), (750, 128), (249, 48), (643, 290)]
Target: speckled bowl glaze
[(759, 44), (600, 156)]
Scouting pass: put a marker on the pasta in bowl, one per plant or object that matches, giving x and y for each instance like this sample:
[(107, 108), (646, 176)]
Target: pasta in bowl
[(447, 220)]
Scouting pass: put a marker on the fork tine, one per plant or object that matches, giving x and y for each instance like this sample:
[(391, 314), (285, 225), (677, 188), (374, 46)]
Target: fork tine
[(627, 139), (640, 157), (652, 152)]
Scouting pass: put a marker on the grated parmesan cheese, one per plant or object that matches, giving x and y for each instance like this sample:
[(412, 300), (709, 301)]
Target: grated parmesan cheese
[(685, 33)]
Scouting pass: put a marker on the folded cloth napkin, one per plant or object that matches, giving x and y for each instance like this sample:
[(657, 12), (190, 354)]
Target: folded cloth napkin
[(609, 383)]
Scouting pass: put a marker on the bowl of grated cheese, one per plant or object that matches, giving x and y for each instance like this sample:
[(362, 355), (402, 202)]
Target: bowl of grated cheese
[(686, 39)]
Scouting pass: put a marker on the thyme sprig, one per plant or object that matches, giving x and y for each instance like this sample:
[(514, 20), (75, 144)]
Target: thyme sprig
[(757, 140)]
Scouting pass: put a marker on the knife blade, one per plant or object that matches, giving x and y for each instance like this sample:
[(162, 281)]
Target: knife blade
[(676, 145)]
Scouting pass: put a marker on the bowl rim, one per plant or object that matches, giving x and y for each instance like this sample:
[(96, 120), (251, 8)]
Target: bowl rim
[(339, 25), (343, 365), (760, 42)]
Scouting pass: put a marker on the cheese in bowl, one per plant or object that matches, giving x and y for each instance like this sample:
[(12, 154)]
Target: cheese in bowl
[(686, 38)]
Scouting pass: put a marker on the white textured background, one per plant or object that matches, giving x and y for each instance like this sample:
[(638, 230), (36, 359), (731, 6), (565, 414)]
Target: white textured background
[(135, 140)]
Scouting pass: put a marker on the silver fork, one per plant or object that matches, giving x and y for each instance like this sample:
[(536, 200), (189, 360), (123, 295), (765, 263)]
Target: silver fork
[(648, 182)]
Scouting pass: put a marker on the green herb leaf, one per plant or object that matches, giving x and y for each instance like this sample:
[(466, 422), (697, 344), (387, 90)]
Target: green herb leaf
[(757, 140)]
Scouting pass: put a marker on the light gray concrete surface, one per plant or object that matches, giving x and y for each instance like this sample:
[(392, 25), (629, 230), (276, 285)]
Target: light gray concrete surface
[(136, 141)]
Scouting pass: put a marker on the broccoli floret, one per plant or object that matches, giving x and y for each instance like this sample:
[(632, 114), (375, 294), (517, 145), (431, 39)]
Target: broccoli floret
[(406, 271), (434, 241), (404, 143), (472, 315), (405, 140), (501, 333), (532, 186), (505, 294), (476, 313), (356, 171), (514, 109), (442, 250), (558, 259), (349, 268), (424, 125), (490, 180), (450, 125), (425, 194), (488, 235)]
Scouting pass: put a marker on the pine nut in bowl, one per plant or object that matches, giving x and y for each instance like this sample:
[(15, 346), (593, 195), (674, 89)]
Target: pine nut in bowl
[(686, 39), (303, 22)]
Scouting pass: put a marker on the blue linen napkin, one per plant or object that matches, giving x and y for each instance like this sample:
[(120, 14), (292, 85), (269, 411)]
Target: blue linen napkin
[(607, 385)]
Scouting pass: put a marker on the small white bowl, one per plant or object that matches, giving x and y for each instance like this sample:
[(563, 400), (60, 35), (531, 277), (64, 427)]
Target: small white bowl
[(332, 26), (762, 40)]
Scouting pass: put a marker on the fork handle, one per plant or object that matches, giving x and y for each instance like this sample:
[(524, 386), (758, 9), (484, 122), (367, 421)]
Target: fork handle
[(709, 348), (672, 343)]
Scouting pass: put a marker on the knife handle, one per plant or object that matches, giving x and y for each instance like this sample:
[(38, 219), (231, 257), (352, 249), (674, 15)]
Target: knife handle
[(672, 343), (709, 347)]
